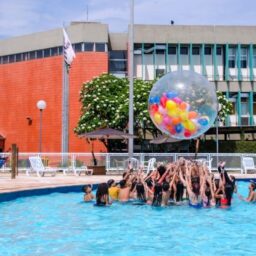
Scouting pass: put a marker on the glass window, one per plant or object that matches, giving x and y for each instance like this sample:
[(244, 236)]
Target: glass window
[(218, 50), (1, 60), (117, 66), (100, 47), (137, 47), (5, 59), (88, 47), (54, 51), (207, 50), (25, 56), (39, 54), (183, 50), (243, 60), (18, 57), (118, 55), (47, 53), (11, 58), (232, 57), (172, 50), (60, 50), (160, 48), (148, 48), (244, 109), (32, 55), (77, 47), (254, 108), (195, 50)]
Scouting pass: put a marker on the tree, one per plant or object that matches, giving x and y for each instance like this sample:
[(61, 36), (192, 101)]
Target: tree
[(105, 103)]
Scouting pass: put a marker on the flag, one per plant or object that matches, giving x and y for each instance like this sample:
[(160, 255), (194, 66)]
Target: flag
[(68, 51)]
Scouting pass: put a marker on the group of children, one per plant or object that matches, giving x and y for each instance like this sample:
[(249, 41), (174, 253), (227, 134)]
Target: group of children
[(180, 182)]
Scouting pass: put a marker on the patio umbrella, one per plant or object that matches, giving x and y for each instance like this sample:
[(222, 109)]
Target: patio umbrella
[(163, 139)]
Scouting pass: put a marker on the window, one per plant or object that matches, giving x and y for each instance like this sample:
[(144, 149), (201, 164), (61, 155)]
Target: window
[(218, 51), (117, 66), (60, 50), (160, 72), (160, 48), (5, 59), (148, 48), (172, 50), (32, 55), (207, 50), (88, 47), (195, 50), (232, 57), (11, 58), (243, 60), (54, 51), (39, 54), (183, 50), (117, 55), (47, 53), (1, 60), (77, 47), (137, 47), (18, 57), (100, 47)]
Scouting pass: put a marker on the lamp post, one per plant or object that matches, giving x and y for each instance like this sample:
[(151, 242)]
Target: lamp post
[(41, 105)]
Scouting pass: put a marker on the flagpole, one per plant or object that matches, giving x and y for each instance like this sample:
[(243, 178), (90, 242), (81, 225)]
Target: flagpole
[(131, 118), (65, 107)]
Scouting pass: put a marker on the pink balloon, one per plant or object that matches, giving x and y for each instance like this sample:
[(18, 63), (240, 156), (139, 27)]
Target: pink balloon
[(162, 110), (177, 100), (167, 120)]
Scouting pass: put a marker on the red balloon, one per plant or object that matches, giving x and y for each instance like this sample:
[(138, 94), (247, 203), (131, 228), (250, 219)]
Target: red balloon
[(187, 133), (163, 101), (154, 108)]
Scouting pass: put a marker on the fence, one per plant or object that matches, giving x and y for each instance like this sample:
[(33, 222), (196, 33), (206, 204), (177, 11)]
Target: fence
[(113, 161)]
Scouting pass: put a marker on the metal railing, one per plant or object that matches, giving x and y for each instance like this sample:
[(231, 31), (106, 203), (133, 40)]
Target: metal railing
[(113, 161)]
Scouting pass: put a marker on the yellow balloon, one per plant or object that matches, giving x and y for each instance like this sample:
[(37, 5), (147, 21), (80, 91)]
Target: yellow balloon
[(184, 115), (172, 113), (170, 105), (189, 125), (158, 118)]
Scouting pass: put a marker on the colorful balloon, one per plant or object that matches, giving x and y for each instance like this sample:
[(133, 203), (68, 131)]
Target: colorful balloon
[(158, 118), (171, 105)]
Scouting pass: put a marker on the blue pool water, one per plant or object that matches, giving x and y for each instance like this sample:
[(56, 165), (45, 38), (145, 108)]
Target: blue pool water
[(61, 224)]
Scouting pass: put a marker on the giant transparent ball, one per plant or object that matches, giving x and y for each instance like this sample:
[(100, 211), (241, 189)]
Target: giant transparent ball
[(183, 104)]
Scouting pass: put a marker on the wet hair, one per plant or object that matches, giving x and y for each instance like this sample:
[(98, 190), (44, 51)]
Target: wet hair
[(166, 186), (157, 199), (86, 187), (161, 170), (122, 183), (228, 193), (180, 191), (253, 185), (101, 191), (134, 183), (195, 185), (149, 183), (124, 174), (110, 182), (140, 191)]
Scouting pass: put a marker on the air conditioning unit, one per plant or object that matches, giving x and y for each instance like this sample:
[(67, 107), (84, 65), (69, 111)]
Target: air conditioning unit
[(245, 120)]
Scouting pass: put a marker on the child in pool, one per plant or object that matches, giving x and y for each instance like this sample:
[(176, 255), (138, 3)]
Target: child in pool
[(88, 195)]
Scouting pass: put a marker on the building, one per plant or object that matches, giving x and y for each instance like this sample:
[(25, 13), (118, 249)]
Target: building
[(31, 69)]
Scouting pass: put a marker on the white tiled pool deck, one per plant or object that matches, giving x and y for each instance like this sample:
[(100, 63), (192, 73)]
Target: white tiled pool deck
[(23, 182)]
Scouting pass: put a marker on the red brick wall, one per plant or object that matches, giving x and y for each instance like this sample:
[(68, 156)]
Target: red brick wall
[(22, 84)]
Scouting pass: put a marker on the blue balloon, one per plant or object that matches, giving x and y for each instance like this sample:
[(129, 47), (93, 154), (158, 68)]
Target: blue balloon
[(203, 121), (157, 100), (151, 100), (171, 95), (179, 128)]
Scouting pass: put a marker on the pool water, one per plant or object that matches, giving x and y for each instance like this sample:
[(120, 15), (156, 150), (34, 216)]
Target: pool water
[(61, 224)]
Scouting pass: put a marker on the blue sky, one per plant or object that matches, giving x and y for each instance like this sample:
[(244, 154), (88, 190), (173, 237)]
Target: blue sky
[(19, 17)]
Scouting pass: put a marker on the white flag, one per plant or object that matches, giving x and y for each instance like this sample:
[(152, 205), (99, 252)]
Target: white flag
[(69, 53)]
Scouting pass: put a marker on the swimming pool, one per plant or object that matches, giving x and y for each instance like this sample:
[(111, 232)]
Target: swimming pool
[(61, 224)]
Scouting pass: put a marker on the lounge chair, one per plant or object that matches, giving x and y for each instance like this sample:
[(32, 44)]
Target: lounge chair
[(78, 170), (248, 164), (151, 164), (37, 166)]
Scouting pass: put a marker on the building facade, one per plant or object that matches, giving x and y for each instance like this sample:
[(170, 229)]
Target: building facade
[(31, 69)]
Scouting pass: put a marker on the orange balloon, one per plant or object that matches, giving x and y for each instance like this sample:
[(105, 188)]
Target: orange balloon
[(192, 114), (176, 120), (183, 105)]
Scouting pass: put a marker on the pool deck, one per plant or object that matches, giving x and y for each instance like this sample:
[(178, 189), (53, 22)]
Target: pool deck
[(23, 182)]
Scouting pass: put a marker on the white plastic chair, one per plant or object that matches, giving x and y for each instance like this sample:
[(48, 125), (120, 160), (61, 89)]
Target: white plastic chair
[(77, 170), (133, 162), (248, 164), (151, 164), (37, 166)]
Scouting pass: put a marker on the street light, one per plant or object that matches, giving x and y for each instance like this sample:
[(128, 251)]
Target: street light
[(41, 105)]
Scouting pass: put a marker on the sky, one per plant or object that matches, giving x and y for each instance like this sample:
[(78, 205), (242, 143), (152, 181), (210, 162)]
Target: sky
[(19, 17)]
